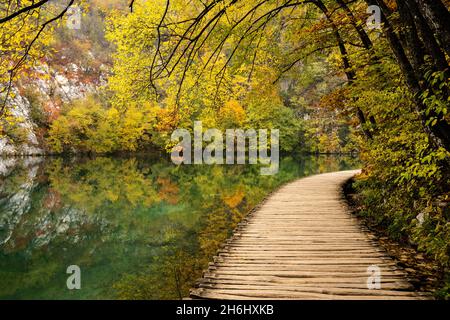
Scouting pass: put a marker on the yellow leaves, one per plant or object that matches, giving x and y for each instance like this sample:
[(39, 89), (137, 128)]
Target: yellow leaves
[(166, 120), (15, 37), (231, 115), (89, 127), (329, 143), (135, 38), (75, 129), (235, 199), (60, 134), (335, 59), (136, 122), (111, 196)]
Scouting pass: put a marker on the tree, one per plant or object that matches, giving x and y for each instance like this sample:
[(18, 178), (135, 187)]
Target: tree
[(413, 71), (24, 35), (179, 41)]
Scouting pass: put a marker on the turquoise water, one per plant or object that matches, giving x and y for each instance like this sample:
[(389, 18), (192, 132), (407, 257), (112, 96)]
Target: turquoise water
[(138, 228)]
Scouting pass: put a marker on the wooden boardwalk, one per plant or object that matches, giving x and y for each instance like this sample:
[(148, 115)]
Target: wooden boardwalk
[(302, 243)]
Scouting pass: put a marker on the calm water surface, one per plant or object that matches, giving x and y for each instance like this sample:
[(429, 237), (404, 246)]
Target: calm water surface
[(139, 228)]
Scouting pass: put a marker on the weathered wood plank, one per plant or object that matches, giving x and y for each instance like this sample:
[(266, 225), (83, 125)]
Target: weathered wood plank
[(293, 280), (361, 284)]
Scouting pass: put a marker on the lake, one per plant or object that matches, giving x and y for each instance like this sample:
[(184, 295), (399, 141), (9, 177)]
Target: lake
[(137, 227)]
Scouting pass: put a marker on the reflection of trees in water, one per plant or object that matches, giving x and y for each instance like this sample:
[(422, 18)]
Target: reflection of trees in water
[(156, 224), (15, 205)]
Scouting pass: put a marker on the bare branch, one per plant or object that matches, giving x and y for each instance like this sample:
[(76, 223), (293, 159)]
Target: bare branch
[(131, 5), (23, 10)]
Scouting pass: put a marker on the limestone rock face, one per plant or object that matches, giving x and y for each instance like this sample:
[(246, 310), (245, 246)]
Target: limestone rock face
[(19, 108), (54, 88)]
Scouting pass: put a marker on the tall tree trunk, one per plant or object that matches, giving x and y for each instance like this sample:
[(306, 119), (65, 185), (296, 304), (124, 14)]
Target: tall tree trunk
[(361, 32), (438, 18), (440, 132), (431, 46), (351, 76), (408, 35)]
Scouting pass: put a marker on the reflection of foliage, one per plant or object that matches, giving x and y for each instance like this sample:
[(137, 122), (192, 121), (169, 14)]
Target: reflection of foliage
[(101, 182), (169, 274), (138, 229)]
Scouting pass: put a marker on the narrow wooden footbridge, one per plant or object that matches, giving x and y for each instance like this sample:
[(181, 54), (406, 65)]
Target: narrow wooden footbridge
[(303, 243)]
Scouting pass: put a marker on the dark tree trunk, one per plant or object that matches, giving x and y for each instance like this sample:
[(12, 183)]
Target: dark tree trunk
[(438, 61), (426, 34), (351, 76), (439, 133), (438, 18), (408, 35), (359, 28)]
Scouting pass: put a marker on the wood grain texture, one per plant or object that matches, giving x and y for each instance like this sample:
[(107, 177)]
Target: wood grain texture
[(303, 243)]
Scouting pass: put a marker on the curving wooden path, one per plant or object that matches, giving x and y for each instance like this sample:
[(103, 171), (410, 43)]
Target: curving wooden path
[(302, 243)]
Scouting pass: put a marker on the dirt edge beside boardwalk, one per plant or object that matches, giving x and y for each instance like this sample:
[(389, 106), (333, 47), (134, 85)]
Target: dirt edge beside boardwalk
[(422, 271)]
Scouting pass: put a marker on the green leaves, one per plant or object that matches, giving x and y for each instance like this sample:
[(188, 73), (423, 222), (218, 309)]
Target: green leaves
[(434, 98)]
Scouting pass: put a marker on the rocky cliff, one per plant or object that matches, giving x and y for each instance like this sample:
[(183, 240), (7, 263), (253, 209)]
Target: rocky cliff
[(54, 87)]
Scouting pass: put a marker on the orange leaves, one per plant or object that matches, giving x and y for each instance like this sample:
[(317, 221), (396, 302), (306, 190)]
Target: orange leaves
[(235, 199), (336, 100), (167, 120), (168, 190), (232, 114)]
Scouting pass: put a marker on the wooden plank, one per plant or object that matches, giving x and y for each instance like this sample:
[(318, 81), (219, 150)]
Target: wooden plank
[(299, 281), (308, 289), (277, 295), (391, 285)]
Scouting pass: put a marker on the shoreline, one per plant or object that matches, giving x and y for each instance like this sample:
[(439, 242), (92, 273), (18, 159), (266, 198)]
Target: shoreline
[(422, 270)]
